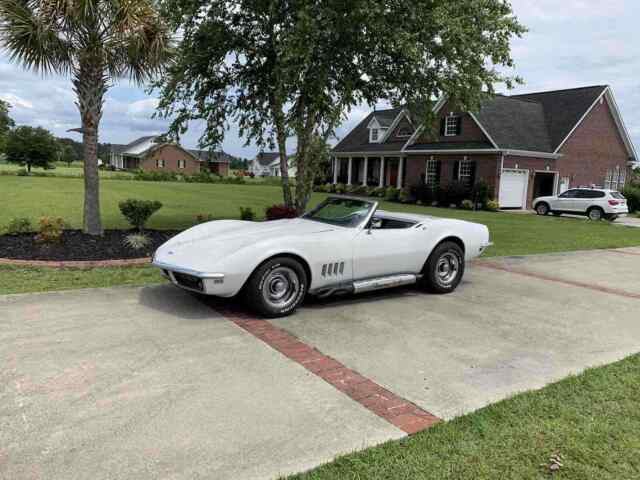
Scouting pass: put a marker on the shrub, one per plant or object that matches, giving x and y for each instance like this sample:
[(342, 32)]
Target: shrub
[(51, 229), (18, 225), (404, 196), (331, 188), (22, 172), (426, 194), (452, 194), (378, 192), (492, 205), (391, 194), (137, 212), (154, 176), (632, 194), (277, 212), (137, 241), (341, 188), (466, 205), (247, 213), (481, 192), (203, 218), (360, 190)]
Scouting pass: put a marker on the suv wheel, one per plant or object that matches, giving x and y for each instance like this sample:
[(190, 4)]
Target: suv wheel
[(595, 214), (542, 208)]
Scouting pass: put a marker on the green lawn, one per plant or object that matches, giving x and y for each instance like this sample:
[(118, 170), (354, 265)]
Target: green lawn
[(513, 234), (63, 170), (592, 420)]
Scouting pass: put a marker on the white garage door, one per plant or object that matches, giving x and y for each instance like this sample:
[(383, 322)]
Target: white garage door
[(513, 185)]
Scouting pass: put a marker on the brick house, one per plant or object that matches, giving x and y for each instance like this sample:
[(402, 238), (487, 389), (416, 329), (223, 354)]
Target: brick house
[(522, 146), (150, 154)]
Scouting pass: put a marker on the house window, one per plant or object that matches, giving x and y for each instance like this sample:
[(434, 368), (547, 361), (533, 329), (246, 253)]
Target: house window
[(374, 134), (159, 163), (451, 126), (615, 178), (182, 163), (465, 171), (432, 177)]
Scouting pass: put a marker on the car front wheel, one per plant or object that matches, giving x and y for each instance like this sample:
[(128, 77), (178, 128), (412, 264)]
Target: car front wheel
[(444, 268), (542, 209), (277, 287)]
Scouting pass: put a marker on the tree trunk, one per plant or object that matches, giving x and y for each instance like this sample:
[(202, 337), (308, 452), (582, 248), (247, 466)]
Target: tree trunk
[(281, 134), (28, 167), (90, 88)]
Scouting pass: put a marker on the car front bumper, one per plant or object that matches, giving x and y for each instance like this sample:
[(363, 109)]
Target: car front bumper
[(188, 279)]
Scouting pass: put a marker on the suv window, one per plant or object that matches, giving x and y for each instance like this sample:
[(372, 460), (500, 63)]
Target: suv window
[(590, 194), (617, 195), (569, 194)]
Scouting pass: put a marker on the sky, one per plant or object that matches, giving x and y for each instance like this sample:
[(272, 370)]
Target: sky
[(570, 43)]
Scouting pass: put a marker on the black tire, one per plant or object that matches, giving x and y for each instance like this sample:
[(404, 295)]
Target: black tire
[(438, 267), (595, 214), (542, 208), (277, 287)]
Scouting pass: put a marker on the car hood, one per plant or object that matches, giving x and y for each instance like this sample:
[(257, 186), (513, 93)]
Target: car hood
[(209, 243)]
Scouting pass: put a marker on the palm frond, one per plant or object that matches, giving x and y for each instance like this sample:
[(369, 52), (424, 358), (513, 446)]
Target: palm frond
[(32, 38)]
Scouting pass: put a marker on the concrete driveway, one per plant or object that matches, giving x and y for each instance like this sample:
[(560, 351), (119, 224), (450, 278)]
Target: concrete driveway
[(154, 383)]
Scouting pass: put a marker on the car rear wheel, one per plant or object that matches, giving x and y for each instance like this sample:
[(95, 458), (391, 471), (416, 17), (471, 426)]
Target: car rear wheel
[(542, 208), (277, 287), (444, 268), (595, 214)]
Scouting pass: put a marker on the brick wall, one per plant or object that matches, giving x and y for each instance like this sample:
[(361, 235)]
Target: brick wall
[(170, 154), (487, 168), (593, 148)]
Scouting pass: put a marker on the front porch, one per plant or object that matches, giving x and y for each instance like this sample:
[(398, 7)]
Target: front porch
[(370, 171)]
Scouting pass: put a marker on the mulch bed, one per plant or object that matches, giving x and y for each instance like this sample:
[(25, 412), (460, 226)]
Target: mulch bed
[(76, 245)]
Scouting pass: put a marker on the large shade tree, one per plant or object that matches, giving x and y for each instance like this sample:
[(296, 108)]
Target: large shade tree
[(31, 147), (95, 42), (295, 68), (6, 122)]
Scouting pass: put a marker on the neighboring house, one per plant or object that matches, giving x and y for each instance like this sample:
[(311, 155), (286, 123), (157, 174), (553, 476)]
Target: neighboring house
[(267, 164), (523, 146), (149, 154)]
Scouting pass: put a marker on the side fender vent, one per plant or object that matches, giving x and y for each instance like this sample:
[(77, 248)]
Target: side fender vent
[(333, 269)]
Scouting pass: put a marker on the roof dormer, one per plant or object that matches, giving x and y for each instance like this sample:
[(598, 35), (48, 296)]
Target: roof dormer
[(376, 131)]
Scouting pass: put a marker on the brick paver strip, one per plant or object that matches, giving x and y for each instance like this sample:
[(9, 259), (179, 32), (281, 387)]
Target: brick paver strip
[(396, 410), (75, 263), (625, 252), (549, 278)]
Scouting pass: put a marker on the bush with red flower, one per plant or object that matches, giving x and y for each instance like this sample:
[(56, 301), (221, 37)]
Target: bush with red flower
[(277, 212)]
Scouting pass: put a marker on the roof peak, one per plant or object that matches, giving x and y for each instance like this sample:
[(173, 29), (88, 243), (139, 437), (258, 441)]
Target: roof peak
[(559, 90)]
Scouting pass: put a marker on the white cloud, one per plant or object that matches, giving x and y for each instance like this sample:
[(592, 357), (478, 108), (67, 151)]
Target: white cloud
[(16, 101)]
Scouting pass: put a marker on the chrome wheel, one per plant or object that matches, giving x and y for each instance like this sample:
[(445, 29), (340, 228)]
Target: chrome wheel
[(447, 268), (281, 287)]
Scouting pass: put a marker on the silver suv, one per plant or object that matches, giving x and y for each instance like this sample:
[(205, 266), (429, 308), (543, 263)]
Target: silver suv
[(596, 203)]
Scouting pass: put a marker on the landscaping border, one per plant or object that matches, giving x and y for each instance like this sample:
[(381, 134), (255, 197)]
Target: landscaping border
[(76, 263)]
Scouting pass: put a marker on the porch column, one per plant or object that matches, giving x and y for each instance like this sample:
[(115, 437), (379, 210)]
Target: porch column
[(349, 171), (336, 168), (400, 171), (366, 171), (381, 184)]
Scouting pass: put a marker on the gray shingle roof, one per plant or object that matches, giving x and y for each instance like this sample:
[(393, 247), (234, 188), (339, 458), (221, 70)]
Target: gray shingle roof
[(265, 158), (536, 122), (515, 124), (563, 108), (211, 157), (451, 146), (357, 140)]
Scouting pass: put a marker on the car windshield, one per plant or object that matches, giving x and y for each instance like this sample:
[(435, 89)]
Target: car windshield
[(345, 212), (617, 195)]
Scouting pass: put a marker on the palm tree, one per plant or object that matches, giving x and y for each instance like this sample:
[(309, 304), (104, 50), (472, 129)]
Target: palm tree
[(94, 42)]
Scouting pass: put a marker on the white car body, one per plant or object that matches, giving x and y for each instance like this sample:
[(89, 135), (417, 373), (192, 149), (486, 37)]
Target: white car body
[(220, 256), (581, 201)]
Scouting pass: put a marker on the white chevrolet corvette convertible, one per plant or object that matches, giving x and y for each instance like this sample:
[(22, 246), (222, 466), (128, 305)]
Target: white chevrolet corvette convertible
[(344, 245)]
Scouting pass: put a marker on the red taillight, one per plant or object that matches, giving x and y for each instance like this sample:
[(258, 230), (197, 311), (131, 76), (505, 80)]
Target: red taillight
[(614, 202)]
